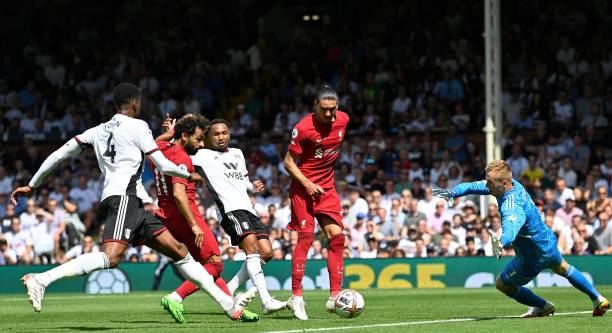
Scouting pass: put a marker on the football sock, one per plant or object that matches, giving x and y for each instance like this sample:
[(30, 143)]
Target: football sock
[(188, 288), (527, 297), (185, 289), (195, 273), (253, 263), (335, 263), (81, 265), (239, 278), (214, 269), (176, 297), (223, 286), (577, 279), (298, 261)]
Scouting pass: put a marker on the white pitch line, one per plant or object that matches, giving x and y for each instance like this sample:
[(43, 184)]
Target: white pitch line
[(25, 298), (405, 323)]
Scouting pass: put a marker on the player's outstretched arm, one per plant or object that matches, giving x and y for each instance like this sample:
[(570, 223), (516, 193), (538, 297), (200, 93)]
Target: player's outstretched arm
[(479, 187), (291, 167), (70, 148), (166, 167)]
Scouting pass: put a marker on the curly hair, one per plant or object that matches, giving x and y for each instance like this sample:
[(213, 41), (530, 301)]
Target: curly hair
[(188, 124)]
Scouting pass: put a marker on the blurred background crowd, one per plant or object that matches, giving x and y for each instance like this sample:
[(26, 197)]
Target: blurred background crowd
[(410, 76)]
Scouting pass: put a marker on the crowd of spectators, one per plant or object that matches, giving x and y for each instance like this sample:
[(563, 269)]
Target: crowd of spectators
[(410, 77)]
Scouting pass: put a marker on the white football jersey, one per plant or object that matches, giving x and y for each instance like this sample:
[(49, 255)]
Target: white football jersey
[(226, 177), (120, 145)]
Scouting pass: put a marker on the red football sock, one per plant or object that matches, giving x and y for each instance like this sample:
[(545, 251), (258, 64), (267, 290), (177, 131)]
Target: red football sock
[(215, 268), (222, 285), (186, 289), (298, 261), (335, 263)]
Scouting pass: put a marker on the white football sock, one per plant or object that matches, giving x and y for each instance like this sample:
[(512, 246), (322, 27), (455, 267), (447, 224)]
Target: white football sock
[(253, 263), (175, 297), (81, 265), (238, 279), (194, 272)]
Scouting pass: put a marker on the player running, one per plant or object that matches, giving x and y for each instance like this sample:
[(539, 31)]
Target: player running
[(534, 243), (314, 148), (179, 212), (226, 178), (120, 145)]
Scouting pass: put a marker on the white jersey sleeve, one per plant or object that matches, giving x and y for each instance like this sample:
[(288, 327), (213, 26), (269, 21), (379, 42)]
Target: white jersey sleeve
[(70, 148), (143, 138), (87, 138)]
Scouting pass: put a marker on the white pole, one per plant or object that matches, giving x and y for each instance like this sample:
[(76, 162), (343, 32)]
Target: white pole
[(493, 111)]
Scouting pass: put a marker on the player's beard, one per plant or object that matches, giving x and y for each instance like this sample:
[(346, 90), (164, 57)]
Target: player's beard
[(190, 150)]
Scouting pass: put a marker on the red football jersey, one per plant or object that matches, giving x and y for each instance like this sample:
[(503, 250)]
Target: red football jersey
[(318, 146), (177, 155)]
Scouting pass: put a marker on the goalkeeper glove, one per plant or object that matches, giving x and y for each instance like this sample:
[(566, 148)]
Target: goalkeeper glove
[(446, 194), (496, 243)]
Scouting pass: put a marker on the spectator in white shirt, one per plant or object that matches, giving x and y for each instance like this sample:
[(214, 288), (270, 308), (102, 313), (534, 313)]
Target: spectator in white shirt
[(42, 237), (83, 196), (402, 102), (20, 242), (6, 181), (564, 111), (567, 172), (28, 217), (562, 192), (88, 246), (55, 73)]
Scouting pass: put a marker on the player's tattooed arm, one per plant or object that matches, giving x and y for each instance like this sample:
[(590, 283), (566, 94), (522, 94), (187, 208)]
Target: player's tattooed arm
[(291, 167)]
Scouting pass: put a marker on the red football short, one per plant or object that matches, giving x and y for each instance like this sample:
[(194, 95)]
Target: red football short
[(180, 229), (304, 209)]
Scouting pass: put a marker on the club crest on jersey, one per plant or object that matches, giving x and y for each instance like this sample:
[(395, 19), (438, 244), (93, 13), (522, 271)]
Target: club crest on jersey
[(340, 134), (127, 232), (303, 223), (245, 225), (294, 133)]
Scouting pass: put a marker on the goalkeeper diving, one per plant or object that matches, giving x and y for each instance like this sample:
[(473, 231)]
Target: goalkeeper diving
[(534, 243)]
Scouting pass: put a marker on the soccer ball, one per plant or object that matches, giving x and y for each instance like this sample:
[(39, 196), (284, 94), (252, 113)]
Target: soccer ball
[(108, 281), (349, 303)]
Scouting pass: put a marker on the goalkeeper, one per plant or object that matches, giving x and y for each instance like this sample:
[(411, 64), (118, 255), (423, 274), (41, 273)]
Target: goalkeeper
[(534, 243)]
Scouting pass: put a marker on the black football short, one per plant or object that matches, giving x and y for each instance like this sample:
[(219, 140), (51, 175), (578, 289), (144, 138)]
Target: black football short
[(126, 220), (241, 223)]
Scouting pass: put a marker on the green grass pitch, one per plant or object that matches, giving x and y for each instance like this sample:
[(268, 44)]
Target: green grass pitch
[(473, 310)]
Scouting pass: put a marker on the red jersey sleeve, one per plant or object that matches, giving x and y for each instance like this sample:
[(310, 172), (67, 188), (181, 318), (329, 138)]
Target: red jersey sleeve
[(298, 139), (184, 162)]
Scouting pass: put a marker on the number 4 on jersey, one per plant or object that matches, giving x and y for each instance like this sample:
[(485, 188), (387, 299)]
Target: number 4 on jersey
[(110, 149)]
